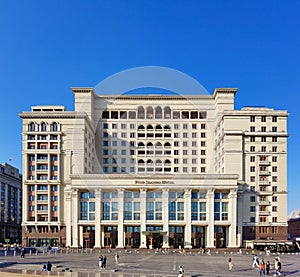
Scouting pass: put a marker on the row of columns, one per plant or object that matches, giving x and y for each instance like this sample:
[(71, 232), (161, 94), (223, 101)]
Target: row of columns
[(72, 205)]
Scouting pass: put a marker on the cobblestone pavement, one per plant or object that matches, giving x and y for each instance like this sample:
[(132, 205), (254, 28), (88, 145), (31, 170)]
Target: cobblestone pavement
[(132, 264)]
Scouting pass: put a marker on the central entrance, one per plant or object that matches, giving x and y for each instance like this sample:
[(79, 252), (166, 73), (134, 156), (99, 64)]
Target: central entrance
[(154, 239), (154, 235)]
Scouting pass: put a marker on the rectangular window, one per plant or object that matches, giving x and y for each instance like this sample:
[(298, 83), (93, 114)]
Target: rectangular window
[(252, 198)]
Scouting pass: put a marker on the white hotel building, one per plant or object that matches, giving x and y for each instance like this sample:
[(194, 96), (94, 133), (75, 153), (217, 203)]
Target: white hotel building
[(142, 171)]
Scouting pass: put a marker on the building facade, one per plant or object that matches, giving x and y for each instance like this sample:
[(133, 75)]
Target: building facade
[(11, 204), (151, 171)]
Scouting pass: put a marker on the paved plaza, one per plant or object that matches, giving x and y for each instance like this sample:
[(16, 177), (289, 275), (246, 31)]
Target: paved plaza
[(133, 264)]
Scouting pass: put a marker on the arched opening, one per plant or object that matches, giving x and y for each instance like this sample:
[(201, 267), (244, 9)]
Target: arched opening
[(141, 113)]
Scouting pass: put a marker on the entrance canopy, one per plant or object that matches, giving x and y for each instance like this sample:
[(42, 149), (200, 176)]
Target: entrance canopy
[(154, 233)]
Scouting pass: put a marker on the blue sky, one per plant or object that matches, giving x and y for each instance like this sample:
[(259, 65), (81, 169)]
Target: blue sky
[(49, 46)]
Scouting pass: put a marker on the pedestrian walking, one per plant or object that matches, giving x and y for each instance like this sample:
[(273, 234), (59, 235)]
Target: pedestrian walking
[(230, 264), (104, 262), (277, 267), (262, 268), (49, 266), (267, 267), (100, 262), (22, 253), (255, 261), (117, 258), (181, 270)]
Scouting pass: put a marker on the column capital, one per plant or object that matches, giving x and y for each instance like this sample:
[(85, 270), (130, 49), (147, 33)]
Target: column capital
[(165, 190), (98, 192), (187, 191), (74, 193), (233, 193), (143, 190), (210, 192)]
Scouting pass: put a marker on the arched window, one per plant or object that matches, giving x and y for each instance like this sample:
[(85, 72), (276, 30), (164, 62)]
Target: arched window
[(149, 113), (149, 161), (167, 144), (167, 127), (158, 162), (43, 127), (167, 113), (167, 162), (158, 128), (31, 127), (158, 145), (141, 144), (149, 128), (141, 113), (141, 162), (158, 113), (149, 144), (54, 127), (141, 128)]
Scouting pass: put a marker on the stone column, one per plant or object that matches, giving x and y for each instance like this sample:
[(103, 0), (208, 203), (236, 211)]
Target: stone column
[(75, 217), (81, 235), (121, 218), (98, 216), (143, 197), (188, 219), (165, 217), (68, 207), (210, 218), (232, 218), (240, 220)]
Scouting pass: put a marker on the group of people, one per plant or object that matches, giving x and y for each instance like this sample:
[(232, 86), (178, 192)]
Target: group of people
[(102, 262), (47, 267), (265, 267)]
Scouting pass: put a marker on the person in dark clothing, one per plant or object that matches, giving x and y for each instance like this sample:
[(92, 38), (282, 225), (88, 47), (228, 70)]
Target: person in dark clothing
[(267, 267), (49, 266), (104, 262)]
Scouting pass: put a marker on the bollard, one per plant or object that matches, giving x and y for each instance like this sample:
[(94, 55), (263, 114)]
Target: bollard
[(43, 251), (5, 253), (30, 252), (14, 253)]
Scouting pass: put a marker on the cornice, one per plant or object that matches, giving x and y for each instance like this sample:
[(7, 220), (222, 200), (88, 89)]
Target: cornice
[(163, 177), (52, 115)]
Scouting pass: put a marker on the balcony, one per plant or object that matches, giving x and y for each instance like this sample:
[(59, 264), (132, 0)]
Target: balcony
[(264, 172), (42, 201), (264, 202), (264, 183), (264, 163), (42, 211), (265, 192), (264, 213)]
